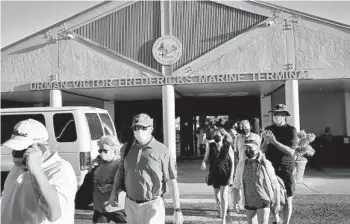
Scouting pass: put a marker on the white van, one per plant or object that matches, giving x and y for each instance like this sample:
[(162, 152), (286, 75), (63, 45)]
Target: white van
[(73, 133)]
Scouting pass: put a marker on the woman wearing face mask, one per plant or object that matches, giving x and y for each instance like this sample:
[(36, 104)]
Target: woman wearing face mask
[(255, 176), (106, 167), (221, 160)]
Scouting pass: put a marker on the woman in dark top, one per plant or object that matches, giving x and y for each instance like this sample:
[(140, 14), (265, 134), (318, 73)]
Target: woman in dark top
[(221, 158)]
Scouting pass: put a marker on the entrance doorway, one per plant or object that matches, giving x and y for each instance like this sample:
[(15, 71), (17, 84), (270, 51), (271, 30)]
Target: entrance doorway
[(191, 129), (191, 114), (194, 114)]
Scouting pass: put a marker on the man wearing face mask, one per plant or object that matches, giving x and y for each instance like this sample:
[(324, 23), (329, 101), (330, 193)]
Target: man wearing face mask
[(246, 135), (41, 186), (146, 165), (279, 142)]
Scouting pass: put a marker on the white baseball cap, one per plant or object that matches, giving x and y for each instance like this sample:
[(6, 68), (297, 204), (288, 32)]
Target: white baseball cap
[(25, 133)]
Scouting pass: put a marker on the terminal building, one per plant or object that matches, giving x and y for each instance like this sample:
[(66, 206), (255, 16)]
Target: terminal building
[(181, 60)]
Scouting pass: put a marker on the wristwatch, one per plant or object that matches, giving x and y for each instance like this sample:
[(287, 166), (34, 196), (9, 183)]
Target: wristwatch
[(177, 209)]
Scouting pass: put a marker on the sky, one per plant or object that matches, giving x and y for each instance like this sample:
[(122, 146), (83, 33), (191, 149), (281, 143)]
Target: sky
[(20, 19)]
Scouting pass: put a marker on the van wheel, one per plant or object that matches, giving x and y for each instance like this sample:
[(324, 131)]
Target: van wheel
[(3, 178)]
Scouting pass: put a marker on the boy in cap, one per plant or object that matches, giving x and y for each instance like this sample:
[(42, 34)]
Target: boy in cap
[(279, 143), (146, 165), (41, 186)]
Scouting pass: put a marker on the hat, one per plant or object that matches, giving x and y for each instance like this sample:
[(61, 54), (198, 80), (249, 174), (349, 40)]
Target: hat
[(252, 143), (25, 133), (142, 120), (280, 109)]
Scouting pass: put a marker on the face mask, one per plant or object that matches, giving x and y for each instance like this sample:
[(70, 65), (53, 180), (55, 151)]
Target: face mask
[(141, 136), (250, 153), (246, 131), (217, 138), (277, 119), (107, 156)]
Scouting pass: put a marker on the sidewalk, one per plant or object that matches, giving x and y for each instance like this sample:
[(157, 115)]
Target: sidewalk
[(191, 180)]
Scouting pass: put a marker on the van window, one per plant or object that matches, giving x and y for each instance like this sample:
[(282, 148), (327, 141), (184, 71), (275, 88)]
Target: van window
[(95, 126), (64, 126), (107, 125), (8, 122)]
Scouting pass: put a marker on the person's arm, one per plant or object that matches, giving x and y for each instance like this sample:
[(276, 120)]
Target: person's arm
[(274, 182), (206, 155), (169, 175), (44, 192), (264, 145), (284, 148), (119, 176), (237, 182), (232, 157), (174, 191)]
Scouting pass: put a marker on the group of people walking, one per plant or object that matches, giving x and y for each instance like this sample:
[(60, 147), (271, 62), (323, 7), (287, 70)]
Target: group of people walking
[(41, 187), (252, 171)]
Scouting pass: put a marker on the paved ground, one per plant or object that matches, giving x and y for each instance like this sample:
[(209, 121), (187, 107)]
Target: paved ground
[(322, 197)]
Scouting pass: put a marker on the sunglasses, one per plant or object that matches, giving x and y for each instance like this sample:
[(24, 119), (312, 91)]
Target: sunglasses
[(18, 154), (103, 150), (136, 128)]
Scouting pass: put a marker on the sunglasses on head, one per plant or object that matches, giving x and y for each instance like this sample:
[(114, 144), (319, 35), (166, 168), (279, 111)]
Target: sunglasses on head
[(136, 128), (103, 150)]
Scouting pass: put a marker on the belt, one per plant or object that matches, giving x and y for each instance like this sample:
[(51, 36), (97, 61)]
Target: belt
[(145, 200)]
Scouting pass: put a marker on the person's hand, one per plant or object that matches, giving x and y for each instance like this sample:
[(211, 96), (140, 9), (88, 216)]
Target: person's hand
[(32, 157), (203, 166), (112, 204), (105, 188), (276, 207), (270, 137), (178, 218), (230, 182)]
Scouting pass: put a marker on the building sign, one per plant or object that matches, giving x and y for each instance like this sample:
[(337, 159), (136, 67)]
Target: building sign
[(169, 80), (167, 50)]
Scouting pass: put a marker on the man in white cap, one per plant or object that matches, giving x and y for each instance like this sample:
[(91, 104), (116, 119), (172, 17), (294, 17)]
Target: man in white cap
[(146, 166), (41, 186), (279, 143)]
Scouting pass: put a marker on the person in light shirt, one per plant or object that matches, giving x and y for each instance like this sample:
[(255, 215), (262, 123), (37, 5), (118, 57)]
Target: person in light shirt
[(41, 186)]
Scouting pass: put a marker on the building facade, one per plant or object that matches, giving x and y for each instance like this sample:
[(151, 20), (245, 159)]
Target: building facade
[(237, 58)]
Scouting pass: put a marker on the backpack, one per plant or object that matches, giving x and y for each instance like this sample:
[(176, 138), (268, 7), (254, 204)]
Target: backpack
[(127, 150), (282, 188)]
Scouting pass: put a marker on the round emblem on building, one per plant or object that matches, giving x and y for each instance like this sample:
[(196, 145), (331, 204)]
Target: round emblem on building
[(167, 50)]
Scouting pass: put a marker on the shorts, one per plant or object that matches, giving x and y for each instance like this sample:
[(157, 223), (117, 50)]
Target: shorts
[(264, 204), (285, 172), (106, 217)]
